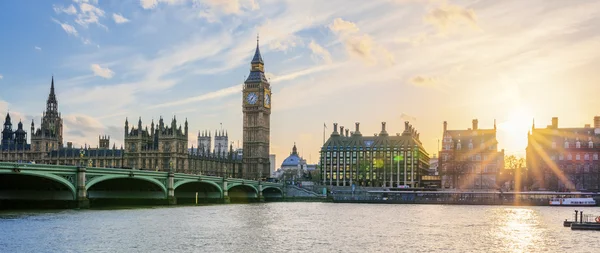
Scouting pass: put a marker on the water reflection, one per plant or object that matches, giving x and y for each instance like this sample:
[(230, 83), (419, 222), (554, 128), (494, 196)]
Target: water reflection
[(518, 230), (297, 227)]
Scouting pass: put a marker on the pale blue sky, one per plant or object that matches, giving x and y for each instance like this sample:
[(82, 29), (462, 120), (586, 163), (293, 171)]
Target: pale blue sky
[(329, 61)]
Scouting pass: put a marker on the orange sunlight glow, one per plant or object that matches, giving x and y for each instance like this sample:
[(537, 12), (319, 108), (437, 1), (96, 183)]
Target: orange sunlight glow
[(512, 133)]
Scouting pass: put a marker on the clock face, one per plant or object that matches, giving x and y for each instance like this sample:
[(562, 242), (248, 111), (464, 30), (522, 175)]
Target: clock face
[(251, 98), (267, 99)]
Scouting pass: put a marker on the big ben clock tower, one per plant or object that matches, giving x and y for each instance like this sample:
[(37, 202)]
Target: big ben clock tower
[(257, 120)]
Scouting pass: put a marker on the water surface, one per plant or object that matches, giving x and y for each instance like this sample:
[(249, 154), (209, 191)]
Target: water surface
[(298, 227)]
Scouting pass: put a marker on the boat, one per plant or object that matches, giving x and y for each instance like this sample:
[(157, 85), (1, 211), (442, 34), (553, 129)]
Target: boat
[(572, 202)]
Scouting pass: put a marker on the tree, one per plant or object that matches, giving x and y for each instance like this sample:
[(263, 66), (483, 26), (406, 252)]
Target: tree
[(514, 172)]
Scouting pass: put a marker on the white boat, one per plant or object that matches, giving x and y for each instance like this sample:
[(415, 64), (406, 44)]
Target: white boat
[(572, 202)]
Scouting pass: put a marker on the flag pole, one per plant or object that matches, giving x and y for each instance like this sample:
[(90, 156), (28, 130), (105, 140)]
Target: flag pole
[(324, 126)]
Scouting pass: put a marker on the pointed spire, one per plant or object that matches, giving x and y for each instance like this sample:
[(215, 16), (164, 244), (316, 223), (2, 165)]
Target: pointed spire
[(7, 120), (52, 86), (294, 150), (257, 57)]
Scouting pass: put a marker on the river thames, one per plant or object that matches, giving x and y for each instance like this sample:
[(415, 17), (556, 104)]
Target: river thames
[(298, 227)]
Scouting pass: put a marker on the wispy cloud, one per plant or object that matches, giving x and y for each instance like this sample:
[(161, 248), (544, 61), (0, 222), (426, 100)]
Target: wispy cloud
[(359, 44), (89, 14), (37, 48), (102, 72), (448, 17), (319, 51), (1, 76), (424, 81), (69, 10), (119, 19), (236, 89), (69, 29)]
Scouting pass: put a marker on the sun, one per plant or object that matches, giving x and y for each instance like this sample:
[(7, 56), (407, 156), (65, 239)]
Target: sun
[(512, 133)]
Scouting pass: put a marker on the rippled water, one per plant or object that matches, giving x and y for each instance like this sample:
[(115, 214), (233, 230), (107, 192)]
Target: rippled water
[(298, 227)]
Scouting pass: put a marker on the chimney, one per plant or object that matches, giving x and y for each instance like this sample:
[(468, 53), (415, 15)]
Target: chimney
[(357, 124), (554, 122), (475, 124), (445, 126), (334, 128), (342, 130), (347, 130), (383, 131)]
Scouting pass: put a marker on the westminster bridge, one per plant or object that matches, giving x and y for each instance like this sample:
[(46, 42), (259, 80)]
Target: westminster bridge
[(81, 186)]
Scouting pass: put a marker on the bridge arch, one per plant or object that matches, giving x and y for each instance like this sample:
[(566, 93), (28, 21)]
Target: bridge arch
[(194, 191), (186, 181), (240, 185), (53, 177), (96, 180), (272, 192)]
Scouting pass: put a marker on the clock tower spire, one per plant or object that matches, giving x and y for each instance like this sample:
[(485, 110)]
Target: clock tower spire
[(256, 108)]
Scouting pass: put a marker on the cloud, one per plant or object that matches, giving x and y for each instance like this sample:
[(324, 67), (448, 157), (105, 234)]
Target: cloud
[(319, 51), (69, 10), (78, 129), (360, 45), (1, 76), (448, 17), (342, 26), (119, 19), (102, 72), (69, 29), (37, 48), (424, 81), (151, 4), (236, 89), (89, 14)]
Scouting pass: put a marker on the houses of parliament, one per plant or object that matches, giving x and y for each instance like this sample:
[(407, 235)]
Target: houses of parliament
[(163, 147)]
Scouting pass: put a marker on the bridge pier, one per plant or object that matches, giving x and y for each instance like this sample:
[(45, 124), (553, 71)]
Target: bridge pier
[(171, 200), (226, 199), (82, 200), (261, 198)]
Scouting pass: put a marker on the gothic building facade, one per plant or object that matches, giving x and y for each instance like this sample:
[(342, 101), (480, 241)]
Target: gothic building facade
[(256, 106), (162, 147)]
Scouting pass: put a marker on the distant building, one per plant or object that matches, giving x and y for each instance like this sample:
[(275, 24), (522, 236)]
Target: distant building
[(433, 165), (380, 160), (469, 158), (273, 163), (295, 167), (564, 158)]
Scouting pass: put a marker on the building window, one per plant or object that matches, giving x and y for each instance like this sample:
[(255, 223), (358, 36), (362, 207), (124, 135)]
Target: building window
[(590, 144), (586, 157), (566, 144), (470, 146), (458, 146), (478, 157), (577, 157), (577, 144), (553, 144), (595, 156), (569, 157), (561, 157)]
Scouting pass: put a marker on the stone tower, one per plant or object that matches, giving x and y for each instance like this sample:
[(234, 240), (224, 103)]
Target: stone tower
[(221, 143), (204, 142), (50, 134), (257, 117), (104, 142)]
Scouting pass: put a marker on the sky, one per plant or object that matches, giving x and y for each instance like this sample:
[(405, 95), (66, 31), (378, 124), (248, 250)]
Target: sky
[(342, 61)]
